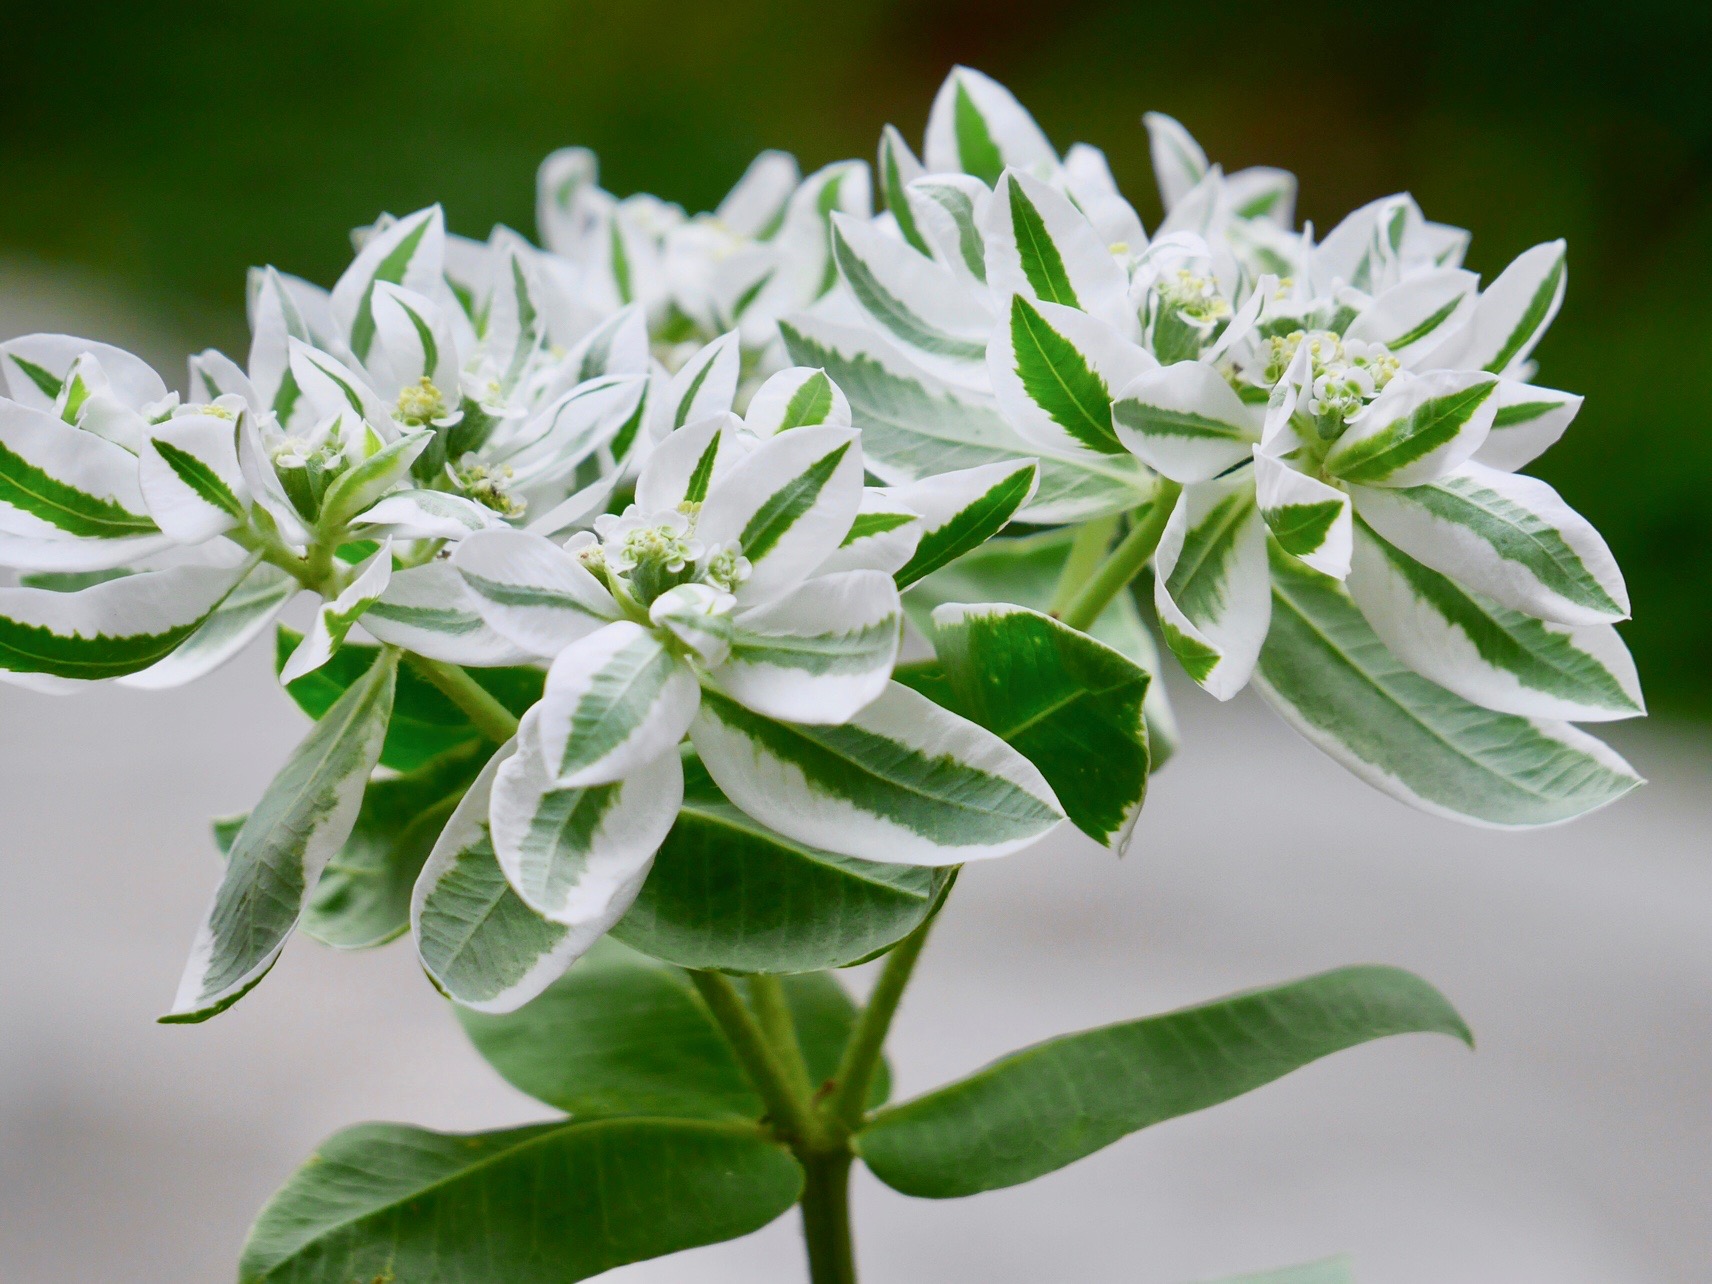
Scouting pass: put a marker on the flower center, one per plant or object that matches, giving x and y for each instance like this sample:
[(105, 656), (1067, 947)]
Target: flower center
[(419, 404), (490, 488)]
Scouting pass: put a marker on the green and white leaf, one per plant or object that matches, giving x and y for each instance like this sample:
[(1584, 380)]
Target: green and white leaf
[(303, 818), (705, 385), (359, 487), (728, 893), (426, 514), (1210, 583), (788, 505), (1070, 705), (817, 655), (1179, 164), (1054, 370), (543, 1204), (915, 426), (477, 939), (799, 397), (576, 854), (59, 482), (240, 618), (1506, 536), (1415, 316), (685, 466), (1328, 674), (1043, 1108), (409, 252), (897, 169), (1185, 422), (1487, 653), (1416, 431), (904, 781), (1042, 247), (1527, 423), (961, 511), (614, 702), (362, 899), (532, 591), (918, 304), (430, 610), (334, 620), (977, 126), (188, 471), (884, 536), (110, 629), (1513, 313), (1308, 518), (949, 210)]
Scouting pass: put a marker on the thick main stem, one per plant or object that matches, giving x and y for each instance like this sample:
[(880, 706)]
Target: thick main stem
[(826, 1218), (1126, 559), (490, 717)]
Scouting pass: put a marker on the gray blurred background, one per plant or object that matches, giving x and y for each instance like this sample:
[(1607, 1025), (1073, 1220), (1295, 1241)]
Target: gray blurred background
[(153, 150)]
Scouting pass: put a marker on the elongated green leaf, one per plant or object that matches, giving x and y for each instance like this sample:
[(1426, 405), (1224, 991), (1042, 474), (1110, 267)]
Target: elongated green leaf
[(897, 169), (425, 724), (914, 426), (364, 483), (303, 818), (109, 629), (1040, 1109), (623, 1034), (1329, 676), (1070, 705), (913, 300), (903, 781), (728, 893), (539, 1205), (978, 127)]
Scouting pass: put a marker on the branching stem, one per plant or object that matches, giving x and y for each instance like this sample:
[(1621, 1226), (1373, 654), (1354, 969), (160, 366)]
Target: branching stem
[(1125, 561), (490, 717)]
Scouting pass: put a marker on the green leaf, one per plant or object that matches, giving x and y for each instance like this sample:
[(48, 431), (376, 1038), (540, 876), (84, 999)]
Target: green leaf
[(1389, 445), (1328, 674), (425, 724), (1045, 1107), (1060, 381), (976, 149), (893, 178), (892, 313), (623, 1034), (303, 818), (730, 894), (1070, 705), (1025, 571), (64, 506), (539, 1205)]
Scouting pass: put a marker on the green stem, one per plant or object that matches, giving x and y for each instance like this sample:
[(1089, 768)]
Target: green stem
[(773, 1013), (826, 1219), (1089, 546), (861, 1058), (1126, 559), (490, 717), (788, 1110)]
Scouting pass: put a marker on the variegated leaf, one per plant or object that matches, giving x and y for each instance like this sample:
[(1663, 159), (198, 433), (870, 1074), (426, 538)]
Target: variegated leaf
[(1210, 583), (614, 702), (960, 511), (1417, 430), (532, 591), (1185, 422)]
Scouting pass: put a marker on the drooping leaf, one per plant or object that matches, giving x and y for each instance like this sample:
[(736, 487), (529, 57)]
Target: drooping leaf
[(1328, 674), (1040, 1109), (543, 1204), (302, 820), (1070, 705)]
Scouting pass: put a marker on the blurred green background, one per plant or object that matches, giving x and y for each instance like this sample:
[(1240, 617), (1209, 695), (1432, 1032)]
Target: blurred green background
[(166, 146)]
